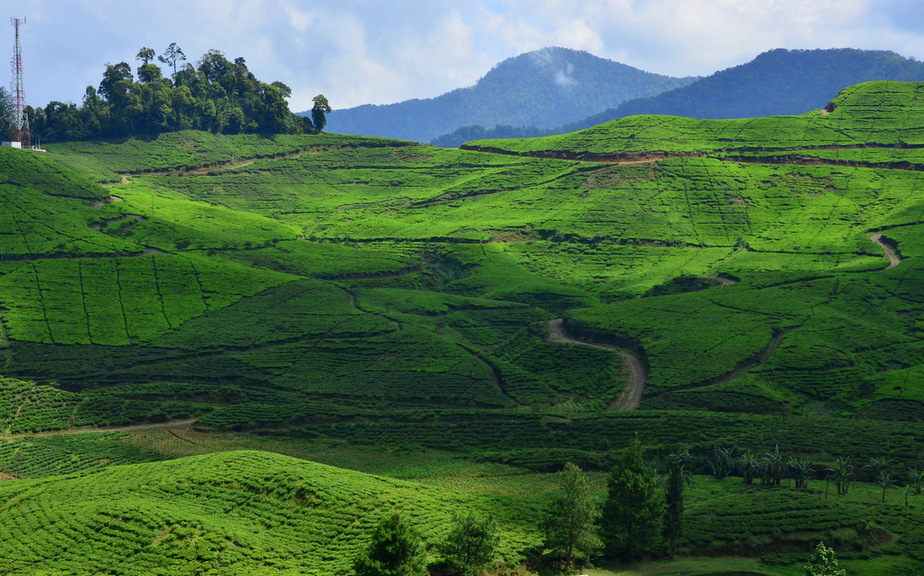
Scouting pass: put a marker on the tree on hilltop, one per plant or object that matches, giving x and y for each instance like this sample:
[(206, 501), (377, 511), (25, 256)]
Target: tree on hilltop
[(218, 95), (145, 55), (172, 55), (318, 111)]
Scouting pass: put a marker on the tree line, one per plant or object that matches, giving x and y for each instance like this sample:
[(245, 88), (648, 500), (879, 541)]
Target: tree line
[(641, 516), (216, 95)]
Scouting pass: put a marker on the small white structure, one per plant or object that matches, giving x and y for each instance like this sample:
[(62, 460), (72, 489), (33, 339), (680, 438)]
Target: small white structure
[(12, 144)]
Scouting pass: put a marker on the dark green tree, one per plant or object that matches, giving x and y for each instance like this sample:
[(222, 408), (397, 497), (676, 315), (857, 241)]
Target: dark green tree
[(471, 543), (318, 112), (633, 514), (678, 478), (395, 550), (570, 526)]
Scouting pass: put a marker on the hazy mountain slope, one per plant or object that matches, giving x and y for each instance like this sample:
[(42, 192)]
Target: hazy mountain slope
[(545, 88), (776, 82)]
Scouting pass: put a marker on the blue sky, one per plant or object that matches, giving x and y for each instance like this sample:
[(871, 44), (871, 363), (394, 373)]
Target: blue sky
[(381, 51)]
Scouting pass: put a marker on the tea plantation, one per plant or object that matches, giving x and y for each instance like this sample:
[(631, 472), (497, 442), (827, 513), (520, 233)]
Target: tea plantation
[(331, 295)]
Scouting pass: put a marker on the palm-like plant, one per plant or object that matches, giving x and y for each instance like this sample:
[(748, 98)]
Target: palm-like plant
[(843, 472), (917, 478), (749, 466), (722, 462), (799, 469), (885, 481), (773, 465)]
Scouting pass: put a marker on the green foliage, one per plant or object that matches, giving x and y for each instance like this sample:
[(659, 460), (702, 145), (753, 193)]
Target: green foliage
[(570, 525), (632, 516), (217, 95), (395, 550), (471, 543), (318, 112), (823, 563)]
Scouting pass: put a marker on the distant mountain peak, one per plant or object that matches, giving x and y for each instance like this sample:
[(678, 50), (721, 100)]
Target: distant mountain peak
[(544, 88)]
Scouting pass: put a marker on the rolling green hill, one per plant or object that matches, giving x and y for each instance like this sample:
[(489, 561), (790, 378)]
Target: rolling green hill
[(229, 513), (760, 278)]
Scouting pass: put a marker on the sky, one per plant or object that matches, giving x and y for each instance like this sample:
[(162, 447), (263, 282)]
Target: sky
[(382, 51)]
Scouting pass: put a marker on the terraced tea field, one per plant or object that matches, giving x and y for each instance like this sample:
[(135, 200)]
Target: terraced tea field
[(746, 283)]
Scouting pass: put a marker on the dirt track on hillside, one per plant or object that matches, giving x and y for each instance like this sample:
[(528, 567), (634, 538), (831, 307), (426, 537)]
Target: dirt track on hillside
[(629, 398), (891, 254), (71, 432)]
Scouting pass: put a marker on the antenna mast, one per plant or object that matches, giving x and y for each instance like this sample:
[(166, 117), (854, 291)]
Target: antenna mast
[(20, 129)]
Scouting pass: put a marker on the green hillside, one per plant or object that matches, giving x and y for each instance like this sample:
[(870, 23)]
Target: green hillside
[(749, 284), (229, 513)]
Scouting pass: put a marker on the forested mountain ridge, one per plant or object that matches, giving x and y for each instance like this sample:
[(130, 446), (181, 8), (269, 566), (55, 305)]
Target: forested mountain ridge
[(776, 82), (545, 88)]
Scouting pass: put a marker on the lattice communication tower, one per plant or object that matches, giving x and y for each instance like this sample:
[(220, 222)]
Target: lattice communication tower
[(20, 130)]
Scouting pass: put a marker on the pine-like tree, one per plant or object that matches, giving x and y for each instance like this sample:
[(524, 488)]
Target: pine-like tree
[(570, 527), (633, 514)]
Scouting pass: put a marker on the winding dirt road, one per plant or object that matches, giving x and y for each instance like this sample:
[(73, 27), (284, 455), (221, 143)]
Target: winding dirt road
[(629, 398), (891, 254)]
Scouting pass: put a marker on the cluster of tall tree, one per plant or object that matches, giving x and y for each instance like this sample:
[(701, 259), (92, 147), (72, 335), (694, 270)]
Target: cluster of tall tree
[(396, 548), (638, 518), (216, 94)]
